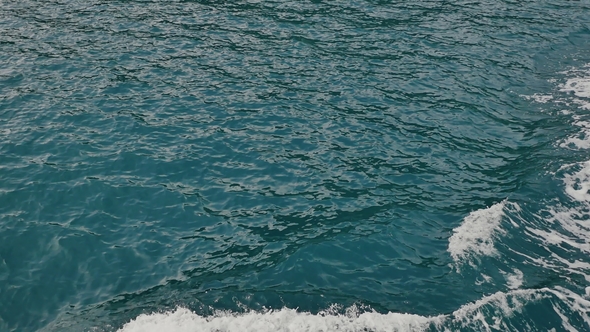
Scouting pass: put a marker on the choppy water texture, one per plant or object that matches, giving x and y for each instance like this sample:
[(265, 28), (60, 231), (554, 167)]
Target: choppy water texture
[(294, 165)]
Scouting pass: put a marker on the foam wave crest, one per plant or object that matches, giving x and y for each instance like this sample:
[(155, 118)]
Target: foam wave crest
[(475, 236)]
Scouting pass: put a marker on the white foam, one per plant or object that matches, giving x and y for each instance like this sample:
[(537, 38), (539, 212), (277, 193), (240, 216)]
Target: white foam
[(566, 267), (581, 140), (565, 322), (539, 98), (500, 307), (472, 315), (573, 222), (567, 228), (580, 87), (475, 236), (573, 301), (285, 320), (485, 278), (577, 185), (506, 303), (514, 280)]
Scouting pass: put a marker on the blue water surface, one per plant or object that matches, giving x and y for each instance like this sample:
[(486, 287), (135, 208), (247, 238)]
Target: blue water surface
[(255, 155)]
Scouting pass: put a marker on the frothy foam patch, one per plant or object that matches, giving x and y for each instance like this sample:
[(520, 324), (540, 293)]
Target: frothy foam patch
[(565, 236), (581, 140), (475, 236), (580, 87), (515, 280), (577, 185)]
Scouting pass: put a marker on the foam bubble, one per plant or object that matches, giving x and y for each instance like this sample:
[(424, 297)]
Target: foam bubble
[(475, 236)]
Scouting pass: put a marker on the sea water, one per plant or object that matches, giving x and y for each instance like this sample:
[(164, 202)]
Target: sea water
[(294, 165)]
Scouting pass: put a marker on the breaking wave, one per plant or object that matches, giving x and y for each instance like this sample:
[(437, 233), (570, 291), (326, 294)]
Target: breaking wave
[(501, 311)]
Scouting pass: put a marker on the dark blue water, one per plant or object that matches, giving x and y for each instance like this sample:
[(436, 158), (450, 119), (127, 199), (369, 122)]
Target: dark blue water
[(294, 166)]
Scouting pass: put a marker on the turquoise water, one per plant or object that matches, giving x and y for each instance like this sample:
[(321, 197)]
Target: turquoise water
[(294, 166)]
